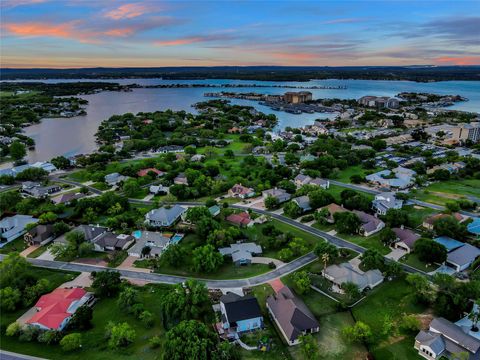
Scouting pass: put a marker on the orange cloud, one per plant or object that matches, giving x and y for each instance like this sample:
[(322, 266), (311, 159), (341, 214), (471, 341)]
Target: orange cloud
[(184, 41), (40, 29), (464, 60), (119, 32), (127, 11)]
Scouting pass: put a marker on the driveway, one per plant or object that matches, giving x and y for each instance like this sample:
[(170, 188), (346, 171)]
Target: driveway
[(82, 280), (47, 255), (127, 264), (396, 254), (29, 250), (266, 260)]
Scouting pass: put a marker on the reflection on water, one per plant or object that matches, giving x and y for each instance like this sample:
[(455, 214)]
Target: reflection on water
[(75, 135)]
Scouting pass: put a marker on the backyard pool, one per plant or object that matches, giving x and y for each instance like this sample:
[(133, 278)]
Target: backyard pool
[(176, 238), (137, 234)]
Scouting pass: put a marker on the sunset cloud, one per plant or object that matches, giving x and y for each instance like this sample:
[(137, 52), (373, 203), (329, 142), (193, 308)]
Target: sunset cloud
[(127, 11), (465, 60), (35, 29)]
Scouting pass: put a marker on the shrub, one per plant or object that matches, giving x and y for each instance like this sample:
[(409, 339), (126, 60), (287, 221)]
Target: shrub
[(71, 342), (13, 329), (155, 341)]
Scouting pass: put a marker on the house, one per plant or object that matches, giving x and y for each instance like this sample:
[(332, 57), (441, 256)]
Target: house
[(279, 194), (386, 201), (15, 226), (39, 235), (214, 210), (109, 241), (114, 179), (240, 191), (164, 216), (171, 149), (446, 339), (240, 314), (370, 224), (67, 198), (240, 219), (343, 273), (450, 167), (158, 189), (449, 243), (332, 209), (91, 232), (197, 158), (301, 180), (54, 310), (145, 172), (241, 253), (430, 220), (180, 179), (323, 183), (291, 315), (405, 239), (303, 202), (156, 241), (399, 178), (461, 258), (38, 191)]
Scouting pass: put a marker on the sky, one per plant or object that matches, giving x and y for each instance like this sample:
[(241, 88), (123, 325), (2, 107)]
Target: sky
[(148, 33)]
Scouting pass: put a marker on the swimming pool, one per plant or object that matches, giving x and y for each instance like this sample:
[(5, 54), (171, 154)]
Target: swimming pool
[(137, 234), (176, 238)]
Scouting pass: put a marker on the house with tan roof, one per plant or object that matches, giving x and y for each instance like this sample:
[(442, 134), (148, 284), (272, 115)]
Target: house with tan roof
[(240, 191)]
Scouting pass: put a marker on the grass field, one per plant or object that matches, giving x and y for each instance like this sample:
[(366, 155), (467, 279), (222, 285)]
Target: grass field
[(16, 245), (344, 175), (413, 260), (370, 242), (391, 300)]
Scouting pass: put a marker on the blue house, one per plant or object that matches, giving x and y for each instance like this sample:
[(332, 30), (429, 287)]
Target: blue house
[(240, 314)]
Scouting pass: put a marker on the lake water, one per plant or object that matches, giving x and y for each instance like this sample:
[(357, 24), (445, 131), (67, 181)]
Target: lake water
[(75, 135)]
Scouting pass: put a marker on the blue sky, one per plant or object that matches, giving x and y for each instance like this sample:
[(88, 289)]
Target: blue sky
[(85, 33)]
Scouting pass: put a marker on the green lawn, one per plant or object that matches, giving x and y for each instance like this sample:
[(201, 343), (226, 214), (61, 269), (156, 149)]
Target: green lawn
[(370, 242), (391, 300), (94, 346), (336, 190), (457, 187), (16, 245), (417, 214), (413, 260), (38, 252), (344, 175)]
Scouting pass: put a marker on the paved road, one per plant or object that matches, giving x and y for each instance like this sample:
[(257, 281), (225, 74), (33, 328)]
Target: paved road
[(172, 279), (8, 355), (410, 201)]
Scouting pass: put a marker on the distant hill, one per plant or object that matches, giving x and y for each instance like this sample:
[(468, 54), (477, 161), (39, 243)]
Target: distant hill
[(421, 73)]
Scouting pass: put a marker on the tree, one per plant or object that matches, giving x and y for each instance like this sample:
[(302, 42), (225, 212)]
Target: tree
[(308, 347), (17, 150), (8, 200), (120, 335), (174, 255), (449, 226), (206, 259), (320, 198), (60, 228), (372, 259), (270, 202), (360, 332), (190, 339), (430, 251), (146, 318), (326, 252), (292, 210), (9, 298), (14, 271), (14, 329), (351, 290), (388, 236), (61, 162), (127, 298), (346, 222), (356, 179), (131, 187), (82, 319), (410, 323), (71, 342), (106, 283), (194, 214), (396, 217), (423, 289), (184, 301), (48, 217), (302, 281), (379, 144)]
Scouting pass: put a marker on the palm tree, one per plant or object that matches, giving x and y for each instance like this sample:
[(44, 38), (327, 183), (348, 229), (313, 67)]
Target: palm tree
[(325, 259)]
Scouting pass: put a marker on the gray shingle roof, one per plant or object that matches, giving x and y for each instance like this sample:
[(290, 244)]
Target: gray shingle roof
[(455, 333)]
